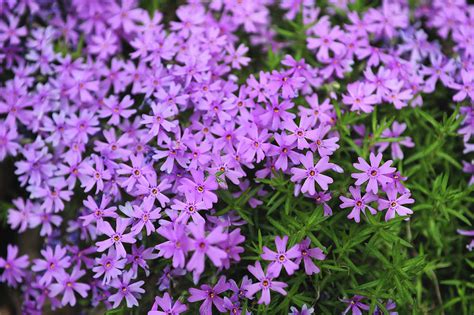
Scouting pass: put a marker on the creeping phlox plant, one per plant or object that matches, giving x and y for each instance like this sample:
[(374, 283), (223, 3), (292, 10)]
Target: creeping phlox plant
[(237, 156)]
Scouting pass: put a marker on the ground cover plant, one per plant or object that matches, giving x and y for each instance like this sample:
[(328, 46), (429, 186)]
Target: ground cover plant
[(236, 156)]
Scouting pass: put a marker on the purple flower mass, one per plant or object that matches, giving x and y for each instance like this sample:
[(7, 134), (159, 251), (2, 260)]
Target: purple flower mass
[(197, 156)]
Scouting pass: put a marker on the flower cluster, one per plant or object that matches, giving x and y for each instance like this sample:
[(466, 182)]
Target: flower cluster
[(131, 130)]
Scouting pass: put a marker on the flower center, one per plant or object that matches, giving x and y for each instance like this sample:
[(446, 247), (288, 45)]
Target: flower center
[(200, 188), (281, 258), (69, 284), (312, 173), (265, 283), (373, 173), (393, 204), (359, 203), (116, 238)]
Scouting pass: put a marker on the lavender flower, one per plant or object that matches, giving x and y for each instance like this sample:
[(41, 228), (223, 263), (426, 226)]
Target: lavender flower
[(265, 284)]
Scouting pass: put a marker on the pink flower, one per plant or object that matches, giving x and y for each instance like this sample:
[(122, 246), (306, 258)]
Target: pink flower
[(312, 173), (373, 173), (281, 258)]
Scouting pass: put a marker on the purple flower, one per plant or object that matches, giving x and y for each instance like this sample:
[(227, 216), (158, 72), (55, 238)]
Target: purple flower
[(143, 215), (239, 293), (210, 296), (8, 141), (13, 266), (54, 264), (396, 95), (322, 198), (136, 172), (67, 284), (276, 112), (158, 122), (288, 83), (168, 274), (373, 173), (307, 254), (232, 306), (125, 15), (190, 208), (205, 246), (115, 109), (94, 175), (305, 310), (177, 244), (116, 238), (325, 147), (281, 258), (232, 248), (98, 213), (35, 168), (301, 133), (202, 188), (80, 128), (283, 151), (360, 97), (394, 204), (236, 56), (165, 303), (389, 306), (138, 258), (127, 290), (470, 233), (11, 32), (395, 132), (265, 284), (312, 173), (21, 217), (358, 203), (153, 190), (355, 305), (52, 194), (466, 88), (326, 40), (254, 144), (322, 113), (108, 266)]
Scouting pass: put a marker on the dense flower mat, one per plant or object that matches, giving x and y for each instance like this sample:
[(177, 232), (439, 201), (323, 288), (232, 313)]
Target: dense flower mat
[(237, 156)]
